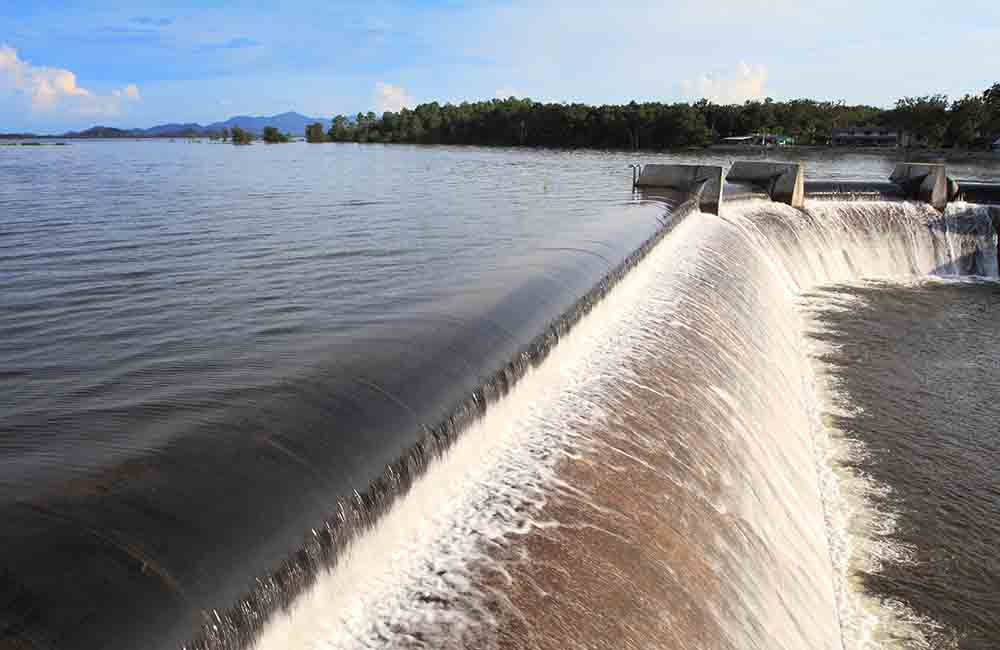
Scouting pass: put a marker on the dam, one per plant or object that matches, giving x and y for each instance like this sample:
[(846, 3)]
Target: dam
[(669, 479), (680, 445)]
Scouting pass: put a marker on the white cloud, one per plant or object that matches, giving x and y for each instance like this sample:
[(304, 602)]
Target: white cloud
[(391, 98), (746, 82), (56, 90), (130, 92)]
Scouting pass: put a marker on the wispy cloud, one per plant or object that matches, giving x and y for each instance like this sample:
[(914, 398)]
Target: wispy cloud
[(48, 89), (130, 92), (735, 87), (391, 98)]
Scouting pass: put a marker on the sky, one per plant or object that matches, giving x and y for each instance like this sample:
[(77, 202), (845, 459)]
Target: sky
[(76, 63)]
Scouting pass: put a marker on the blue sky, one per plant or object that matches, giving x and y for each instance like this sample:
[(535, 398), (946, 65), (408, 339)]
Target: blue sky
[(75, 63)]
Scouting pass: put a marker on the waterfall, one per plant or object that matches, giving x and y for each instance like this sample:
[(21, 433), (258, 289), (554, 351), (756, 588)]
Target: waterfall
[(664, 478)]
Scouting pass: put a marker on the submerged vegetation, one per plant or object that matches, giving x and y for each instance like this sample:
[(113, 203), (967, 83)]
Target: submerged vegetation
[(315, 133), (239, 136), (32, 144), (933, 121), (272, 135)]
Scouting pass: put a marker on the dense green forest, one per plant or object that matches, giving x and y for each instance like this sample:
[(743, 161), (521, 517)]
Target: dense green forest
[(970, 122)]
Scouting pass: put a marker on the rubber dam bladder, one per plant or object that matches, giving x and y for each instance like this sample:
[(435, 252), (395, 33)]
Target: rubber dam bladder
[(653, 470)]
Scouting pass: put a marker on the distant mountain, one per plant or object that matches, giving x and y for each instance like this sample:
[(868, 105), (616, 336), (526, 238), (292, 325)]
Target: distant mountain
[(294, 123), (290, 122), (100, 132), (168, 129)]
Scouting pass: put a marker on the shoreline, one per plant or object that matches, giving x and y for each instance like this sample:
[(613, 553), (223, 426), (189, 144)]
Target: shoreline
[(903, 153)]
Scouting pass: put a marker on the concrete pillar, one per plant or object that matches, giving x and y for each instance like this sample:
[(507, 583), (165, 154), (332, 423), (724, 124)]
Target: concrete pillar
[(783, 182), (703, 182), (926, 182), (995, 218), (953, 189)]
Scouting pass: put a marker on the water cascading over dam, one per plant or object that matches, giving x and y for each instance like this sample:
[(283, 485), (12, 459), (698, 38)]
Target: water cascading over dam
[(658, 476)]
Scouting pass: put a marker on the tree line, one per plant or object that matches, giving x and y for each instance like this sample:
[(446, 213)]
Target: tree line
[(935, 121)]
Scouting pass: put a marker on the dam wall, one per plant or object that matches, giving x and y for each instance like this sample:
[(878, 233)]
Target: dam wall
[(786, 183), (331, 542), (703, 182), (782, 182), (924, 182), (663, 478)]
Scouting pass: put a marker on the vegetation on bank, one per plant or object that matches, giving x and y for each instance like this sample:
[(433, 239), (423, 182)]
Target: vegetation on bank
[(970, 122)]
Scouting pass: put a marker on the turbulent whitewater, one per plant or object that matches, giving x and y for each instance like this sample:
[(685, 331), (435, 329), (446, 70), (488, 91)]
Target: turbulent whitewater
[(664, 478)]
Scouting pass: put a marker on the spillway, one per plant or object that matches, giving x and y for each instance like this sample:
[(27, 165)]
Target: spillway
[(659, 476)]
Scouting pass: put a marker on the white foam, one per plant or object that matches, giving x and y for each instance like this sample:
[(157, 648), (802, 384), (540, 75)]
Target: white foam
[(402, 576), (492, 483)]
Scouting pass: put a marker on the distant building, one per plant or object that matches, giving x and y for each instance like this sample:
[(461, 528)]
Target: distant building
[(868, 136), (759, 139)]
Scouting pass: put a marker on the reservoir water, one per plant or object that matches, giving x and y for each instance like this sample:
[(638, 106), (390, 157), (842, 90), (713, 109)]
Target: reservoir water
[(603, 417)]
